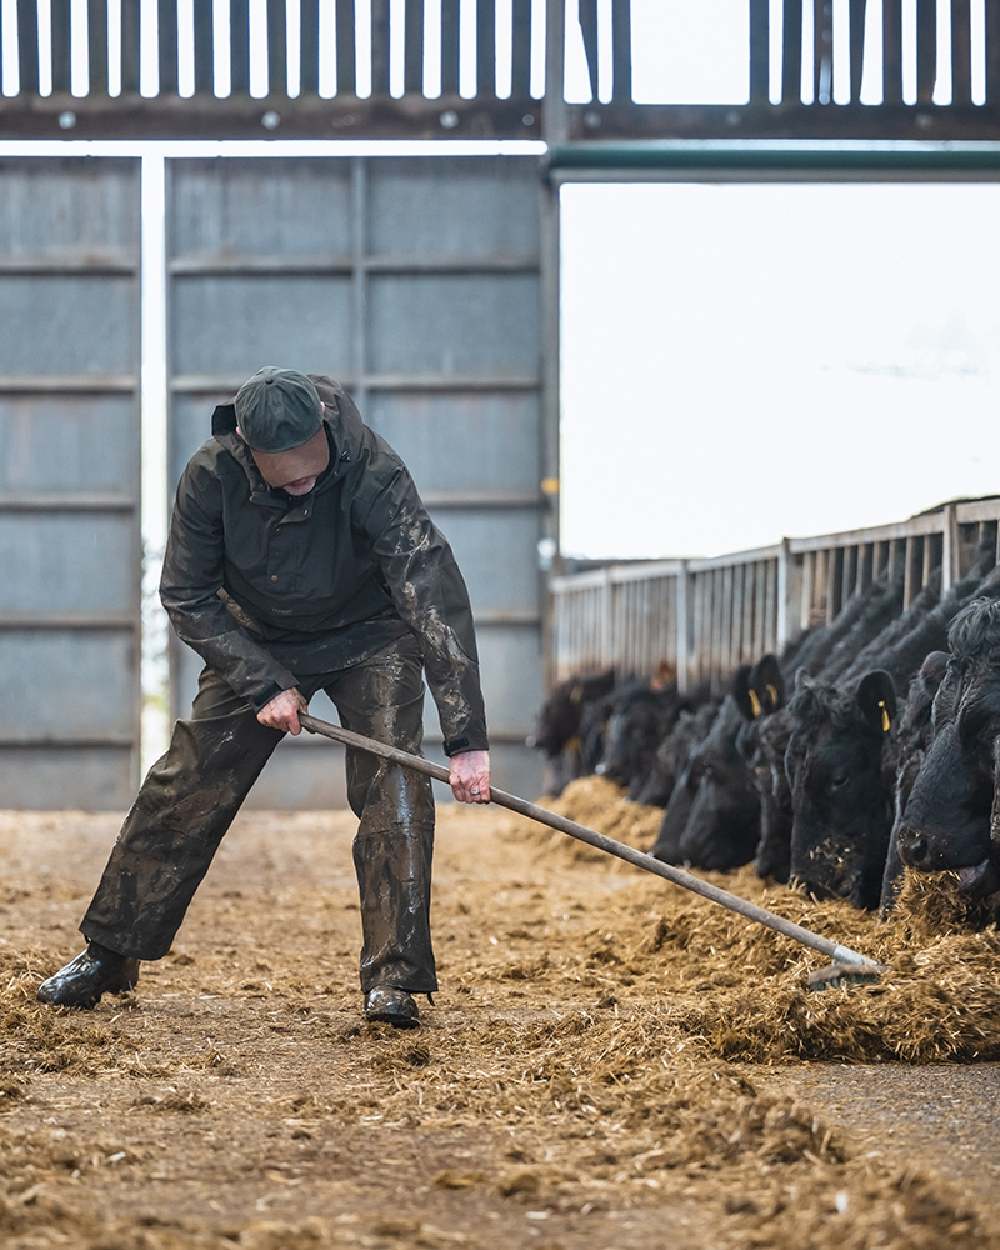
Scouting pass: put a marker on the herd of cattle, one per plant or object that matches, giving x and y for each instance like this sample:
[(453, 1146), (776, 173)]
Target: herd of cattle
[(869, 744)]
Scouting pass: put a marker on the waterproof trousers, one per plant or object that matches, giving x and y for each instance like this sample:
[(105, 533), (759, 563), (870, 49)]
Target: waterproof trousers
[(192, 793)]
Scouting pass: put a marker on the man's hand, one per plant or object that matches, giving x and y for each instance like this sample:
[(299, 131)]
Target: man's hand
[(470, 776), (283, 711)]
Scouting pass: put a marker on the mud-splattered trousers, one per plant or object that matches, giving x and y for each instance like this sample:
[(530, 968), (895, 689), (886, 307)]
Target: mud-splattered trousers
[(192, 793)]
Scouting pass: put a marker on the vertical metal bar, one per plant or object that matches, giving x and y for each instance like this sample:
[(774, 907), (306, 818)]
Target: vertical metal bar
[(950, 548), (277, 48), (346, 35), (758, 605), (61, 40), (97, 46), (698, 626), (926, 50), (380, 47), (130, 47), (621, 51), (309, 47), (892, 51), (682, 628), (239, 47), (359, 278), (747, 650), (805, 613), (166, 43), (726, 658), (908, 572), (449, 47), (27, 46), (834, 582), (760, 51), (486, 48), (520, 67), (549, 400), (822, 50), (770, 605), (791, 51), (413, 48), (961, 53), (856, 43), (993, 56), (204, 50), (554, 107), (925, 567), (587, 10)]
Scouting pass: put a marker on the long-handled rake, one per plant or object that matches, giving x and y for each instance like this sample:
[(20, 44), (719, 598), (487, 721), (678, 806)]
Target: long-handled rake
[(848, 964)]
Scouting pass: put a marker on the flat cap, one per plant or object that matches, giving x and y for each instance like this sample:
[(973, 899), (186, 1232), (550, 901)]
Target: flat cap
[(278, 410)]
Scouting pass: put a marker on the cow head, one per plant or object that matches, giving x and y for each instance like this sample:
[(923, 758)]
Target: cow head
[(723, 823), (952, 818), (762, 742), (841, 796)]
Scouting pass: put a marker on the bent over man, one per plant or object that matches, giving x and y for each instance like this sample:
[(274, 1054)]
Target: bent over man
[(300, 558)]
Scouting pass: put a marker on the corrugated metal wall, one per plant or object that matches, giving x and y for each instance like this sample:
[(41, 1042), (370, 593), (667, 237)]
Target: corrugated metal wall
[(69, 482), (416, 282)]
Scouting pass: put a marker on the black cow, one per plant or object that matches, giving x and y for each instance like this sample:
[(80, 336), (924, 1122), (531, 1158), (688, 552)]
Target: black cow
[(911, 741), (640, 720), (675, 751), (952, 818), (559, 725), (840, 763), (762, 743), (715, 798)]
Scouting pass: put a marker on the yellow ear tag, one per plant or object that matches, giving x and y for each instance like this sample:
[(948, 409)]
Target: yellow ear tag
[(772, 694), (755, 707), (886, 722)]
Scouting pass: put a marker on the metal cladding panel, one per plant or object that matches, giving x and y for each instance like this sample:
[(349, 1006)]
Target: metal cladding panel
[(415, 281), (483, 325), (491, 440), (78, 324), (454, 208), (224, 211), (56, 443), (69, 482), (232, 325)]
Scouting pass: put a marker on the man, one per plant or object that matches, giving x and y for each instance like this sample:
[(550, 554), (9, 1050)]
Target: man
[(300, 558)]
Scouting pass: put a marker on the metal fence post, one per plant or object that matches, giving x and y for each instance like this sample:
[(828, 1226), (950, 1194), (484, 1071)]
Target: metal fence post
[(789, 597), (682, 626), (950, 548)]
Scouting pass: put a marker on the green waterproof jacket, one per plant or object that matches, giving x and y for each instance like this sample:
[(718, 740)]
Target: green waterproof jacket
[(266, 588)]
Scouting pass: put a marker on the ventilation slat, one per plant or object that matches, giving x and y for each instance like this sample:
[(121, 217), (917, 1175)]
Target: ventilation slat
[(621, 50), (588, 28), (791, 51), (61, 52), (892, 51), (520, 68), (926, 50), (166, 35), (380, 47), (856, 43), (204, 50), (130, 46), (97, 45), (277, 48), (347, 80), (413, 48), (239, 46), (486, 48), (449, 47), (27, 46), (823, 51), (961, 53), (760, 36)]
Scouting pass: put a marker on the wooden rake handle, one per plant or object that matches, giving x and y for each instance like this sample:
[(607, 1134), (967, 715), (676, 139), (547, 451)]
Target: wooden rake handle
[(679, 876)]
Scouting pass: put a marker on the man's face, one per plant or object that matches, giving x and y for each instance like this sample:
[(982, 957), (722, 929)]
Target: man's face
[(295, 471)]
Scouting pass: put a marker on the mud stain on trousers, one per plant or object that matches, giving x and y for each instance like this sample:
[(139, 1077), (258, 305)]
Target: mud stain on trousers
[(192, 793)]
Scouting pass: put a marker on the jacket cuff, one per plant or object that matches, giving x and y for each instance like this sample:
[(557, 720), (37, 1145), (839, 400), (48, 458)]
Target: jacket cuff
[(469, 741), (263, 695)]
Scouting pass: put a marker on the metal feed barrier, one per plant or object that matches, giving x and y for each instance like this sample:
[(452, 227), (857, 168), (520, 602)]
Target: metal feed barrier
[(708, 616)]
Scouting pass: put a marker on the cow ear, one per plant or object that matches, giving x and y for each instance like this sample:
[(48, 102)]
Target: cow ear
[(744, 695), (876, 698), (769, 683), (576, 693)]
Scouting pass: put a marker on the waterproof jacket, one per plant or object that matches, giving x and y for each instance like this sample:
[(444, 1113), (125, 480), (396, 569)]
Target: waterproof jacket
[(266, 587)]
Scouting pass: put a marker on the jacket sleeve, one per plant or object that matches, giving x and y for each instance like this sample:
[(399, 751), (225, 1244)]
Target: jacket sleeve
[(189, 584), (430, 595)]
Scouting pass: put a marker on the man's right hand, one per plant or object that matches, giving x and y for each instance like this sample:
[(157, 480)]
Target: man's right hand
[(283, 711)]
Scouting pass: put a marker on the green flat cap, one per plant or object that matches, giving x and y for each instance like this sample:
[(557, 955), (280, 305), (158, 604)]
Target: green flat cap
[(278, 409)]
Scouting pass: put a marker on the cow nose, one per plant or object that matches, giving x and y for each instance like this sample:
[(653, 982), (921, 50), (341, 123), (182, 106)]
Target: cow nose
[(913, 848)]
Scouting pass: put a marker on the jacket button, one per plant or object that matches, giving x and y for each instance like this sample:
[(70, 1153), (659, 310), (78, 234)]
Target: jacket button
[(274, 577)]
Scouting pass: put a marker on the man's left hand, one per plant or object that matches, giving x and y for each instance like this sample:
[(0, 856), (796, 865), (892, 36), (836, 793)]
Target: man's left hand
[(470, 776)]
